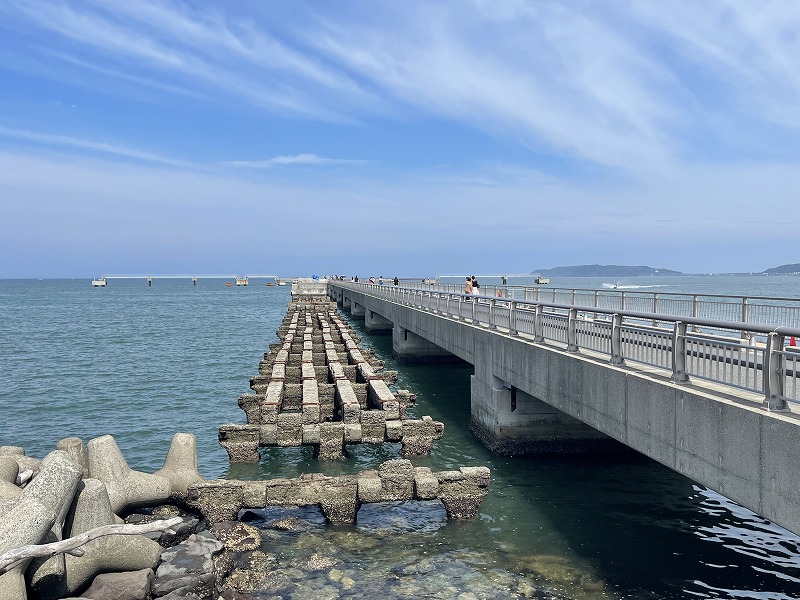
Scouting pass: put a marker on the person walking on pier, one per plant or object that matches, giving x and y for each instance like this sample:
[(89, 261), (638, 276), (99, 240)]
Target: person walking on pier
[(476, 287), (468, 286), (396, 281)]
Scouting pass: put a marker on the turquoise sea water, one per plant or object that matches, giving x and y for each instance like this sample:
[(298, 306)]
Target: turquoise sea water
[(143, 363)]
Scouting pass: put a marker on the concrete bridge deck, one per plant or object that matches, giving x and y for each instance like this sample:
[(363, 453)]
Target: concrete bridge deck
[(553, 378)]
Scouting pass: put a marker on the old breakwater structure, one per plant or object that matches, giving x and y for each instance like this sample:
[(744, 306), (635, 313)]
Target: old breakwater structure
[(81, 522)]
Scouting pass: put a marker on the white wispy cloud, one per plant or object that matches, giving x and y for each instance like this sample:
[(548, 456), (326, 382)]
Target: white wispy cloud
[(103, 147), (634, 86), (297, 159)]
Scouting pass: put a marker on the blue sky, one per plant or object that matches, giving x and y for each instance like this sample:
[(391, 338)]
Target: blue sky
[(410, 138)]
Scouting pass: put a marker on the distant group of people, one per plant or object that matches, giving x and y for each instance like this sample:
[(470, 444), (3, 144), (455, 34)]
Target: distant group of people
[(471, 286), (380, 280)]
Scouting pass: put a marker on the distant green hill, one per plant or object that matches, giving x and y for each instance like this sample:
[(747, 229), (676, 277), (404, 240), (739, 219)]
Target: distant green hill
[(606, 271), (784, 269)]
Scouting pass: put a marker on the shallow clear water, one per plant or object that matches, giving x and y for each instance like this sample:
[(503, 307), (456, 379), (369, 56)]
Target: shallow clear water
[(142, 363)]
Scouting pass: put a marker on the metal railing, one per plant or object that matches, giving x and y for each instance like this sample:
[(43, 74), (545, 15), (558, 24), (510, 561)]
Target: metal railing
[(739, 355), (760, 310)]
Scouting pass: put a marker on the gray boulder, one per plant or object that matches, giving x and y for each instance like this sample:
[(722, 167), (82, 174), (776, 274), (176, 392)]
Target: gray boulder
[(133, 585)]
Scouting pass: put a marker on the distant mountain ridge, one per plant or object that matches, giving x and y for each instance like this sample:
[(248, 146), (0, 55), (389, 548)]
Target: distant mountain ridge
[(784, 269), (607, 271)]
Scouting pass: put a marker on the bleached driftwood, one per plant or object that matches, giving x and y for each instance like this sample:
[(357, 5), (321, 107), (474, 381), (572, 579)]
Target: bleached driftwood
[(72, 545)]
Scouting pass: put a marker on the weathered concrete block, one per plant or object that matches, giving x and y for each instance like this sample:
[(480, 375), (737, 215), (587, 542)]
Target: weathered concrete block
[(339, 504), (268, 413), (462, 491), (311, 413), (394, 431), (241, 442), (378, 393), (373, 427), (426, 485), (268, 435), (391, 408), (351, 413), (254, 494), (397, 479), (278, 372), (290, 429), (308, 372), (274, 393), (419, 435), (218, 500), (352, 433), (336, 372), (311, 433), (251, 405), (369, 486), (331, 441)]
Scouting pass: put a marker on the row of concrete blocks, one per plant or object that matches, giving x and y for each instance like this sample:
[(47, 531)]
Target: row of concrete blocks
[(461, 492), (271, 421), (75, 489), (330, 438)]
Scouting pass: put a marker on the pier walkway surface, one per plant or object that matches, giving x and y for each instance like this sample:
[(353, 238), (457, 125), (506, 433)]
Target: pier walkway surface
[(715, 400)]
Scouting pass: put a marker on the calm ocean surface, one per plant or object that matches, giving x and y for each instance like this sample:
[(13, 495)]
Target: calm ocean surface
[(143, 363)]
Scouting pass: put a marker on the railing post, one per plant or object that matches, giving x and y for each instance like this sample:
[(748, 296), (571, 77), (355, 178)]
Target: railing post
[(538, 324), (572, 332), (474, 308), (512, 318), (679, 374), (492, 313), (773, 374), (616, 340), (655, 308), (695, 310), (745, 316), (622, 302)]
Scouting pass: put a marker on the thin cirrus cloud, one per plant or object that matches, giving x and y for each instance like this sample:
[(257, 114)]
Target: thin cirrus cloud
[(632, 87), (294, 160), (101, 147)]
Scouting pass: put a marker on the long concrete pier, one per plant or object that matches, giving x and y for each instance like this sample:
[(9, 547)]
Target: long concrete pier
[(529, 396)]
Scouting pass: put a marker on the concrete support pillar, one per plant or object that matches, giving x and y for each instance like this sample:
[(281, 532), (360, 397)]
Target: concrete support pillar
[(511, 422), (356, 309), (375, 323), (346, 302), (408, 347)]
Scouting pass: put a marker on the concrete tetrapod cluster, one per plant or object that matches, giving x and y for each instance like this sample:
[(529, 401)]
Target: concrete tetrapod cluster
[(74, 490), (317, 387)]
